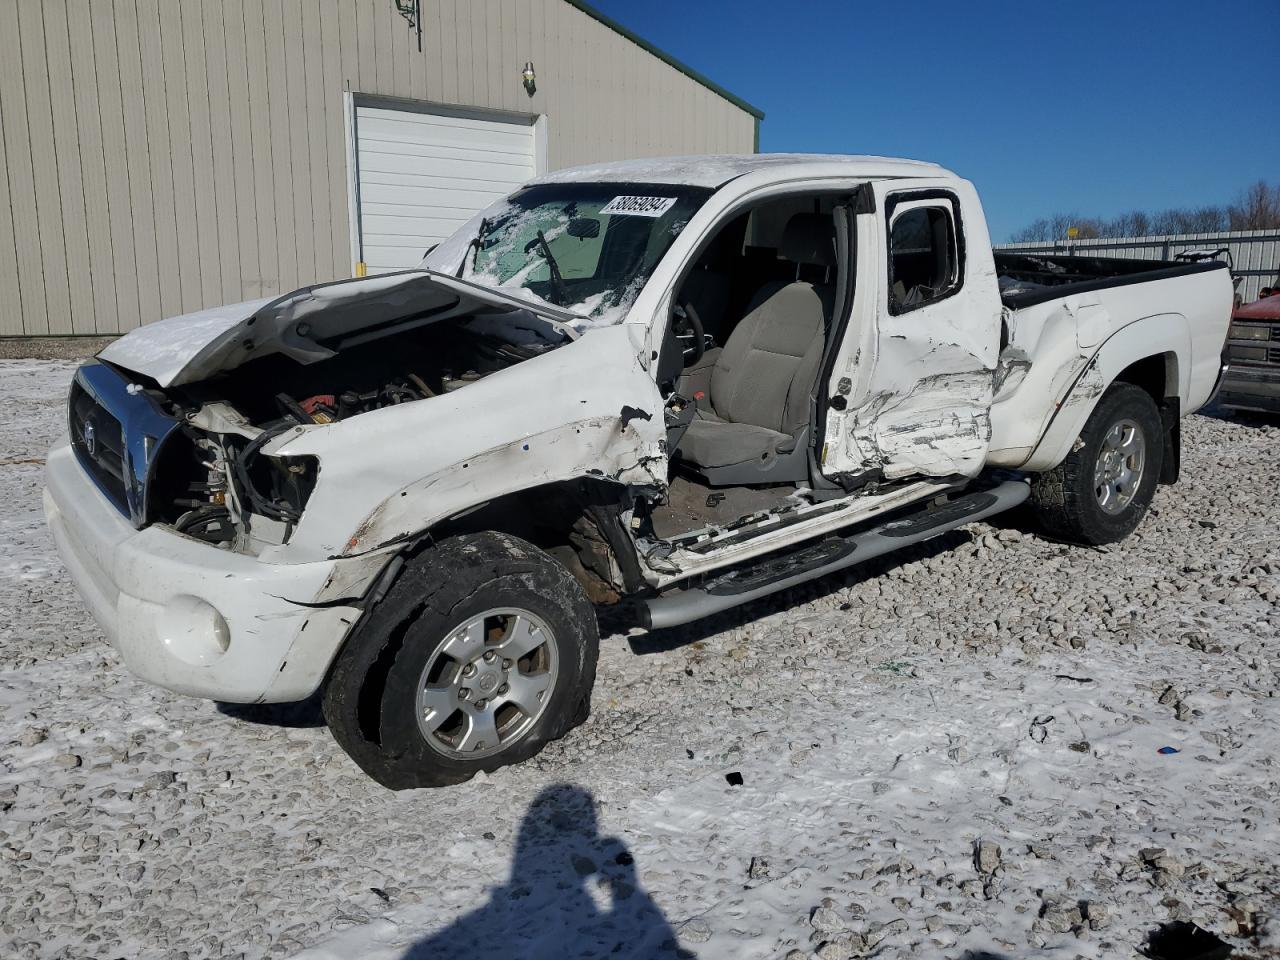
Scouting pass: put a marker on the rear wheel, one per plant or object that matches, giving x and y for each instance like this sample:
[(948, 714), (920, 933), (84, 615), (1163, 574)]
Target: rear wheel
[(483, 651), (1101, 492)]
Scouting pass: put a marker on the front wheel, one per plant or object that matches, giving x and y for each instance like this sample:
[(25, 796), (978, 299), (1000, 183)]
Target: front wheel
[(1101, 491), (483, 651)]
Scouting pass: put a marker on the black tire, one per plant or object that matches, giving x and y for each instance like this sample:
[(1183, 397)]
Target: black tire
[(1065, 499), (370, 696)]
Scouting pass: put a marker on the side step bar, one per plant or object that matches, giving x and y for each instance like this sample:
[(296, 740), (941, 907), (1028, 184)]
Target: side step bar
[(775, 572)]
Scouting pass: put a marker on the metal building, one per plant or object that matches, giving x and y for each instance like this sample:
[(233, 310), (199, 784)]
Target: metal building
[(1255, 254), (160, 156)]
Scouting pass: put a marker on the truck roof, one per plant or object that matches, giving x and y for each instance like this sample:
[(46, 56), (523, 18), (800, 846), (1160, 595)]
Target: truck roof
[(714, 170)]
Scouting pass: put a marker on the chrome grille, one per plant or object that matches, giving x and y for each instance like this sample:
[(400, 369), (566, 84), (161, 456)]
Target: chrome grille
[(98, 441), (116, 431)]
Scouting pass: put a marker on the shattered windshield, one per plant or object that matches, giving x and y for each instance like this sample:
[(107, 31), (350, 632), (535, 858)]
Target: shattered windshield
[(586, 247)]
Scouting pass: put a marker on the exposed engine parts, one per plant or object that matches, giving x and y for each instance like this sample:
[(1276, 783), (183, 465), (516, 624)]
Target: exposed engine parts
[(330, 408), (192, 490), (395, 369), (208, 519), (226, 486)]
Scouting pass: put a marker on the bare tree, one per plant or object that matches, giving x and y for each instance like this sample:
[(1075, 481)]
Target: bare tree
[(1207, 220), (1038, 231), (1135, 223), (1257, 208), (1197, 220)]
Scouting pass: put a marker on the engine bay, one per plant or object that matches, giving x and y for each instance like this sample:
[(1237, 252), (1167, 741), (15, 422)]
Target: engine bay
[(212, 482), (415, 364)]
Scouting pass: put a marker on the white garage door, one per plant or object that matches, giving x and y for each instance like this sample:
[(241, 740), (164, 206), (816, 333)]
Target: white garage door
[(420, 176)]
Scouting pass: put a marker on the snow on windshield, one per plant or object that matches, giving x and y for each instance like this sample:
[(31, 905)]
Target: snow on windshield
[(588, 248)]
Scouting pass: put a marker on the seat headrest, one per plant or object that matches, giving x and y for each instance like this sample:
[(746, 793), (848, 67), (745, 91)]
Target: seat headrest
[(809, 238)]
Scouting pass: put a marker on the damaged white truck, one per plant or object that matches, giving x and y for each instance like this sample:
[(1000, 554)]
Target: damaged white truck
[(670, 386)]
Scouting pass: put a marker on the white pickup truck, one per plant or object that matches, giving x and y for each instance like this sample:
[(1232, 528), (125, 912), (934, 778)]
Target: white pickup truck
[(672, 386)]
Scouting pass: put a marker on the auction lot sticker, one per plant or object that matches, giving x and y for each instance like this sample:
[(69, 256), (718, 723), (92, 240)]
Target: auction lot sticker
[(639, 206)]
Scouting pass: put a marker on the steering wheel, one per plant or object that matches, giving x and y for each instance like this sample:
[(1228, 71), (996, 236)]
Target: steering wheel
[(687, 313)]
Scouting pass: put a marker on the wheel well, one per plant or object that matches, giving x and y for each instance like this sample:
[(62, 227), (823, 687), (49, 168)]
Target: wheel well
[(578, 522), (1157, 375)]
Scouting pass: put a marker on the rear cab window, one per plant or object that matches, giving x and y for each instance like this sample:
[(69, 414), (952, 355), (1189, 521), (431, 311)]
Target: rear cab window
[(924, 253)]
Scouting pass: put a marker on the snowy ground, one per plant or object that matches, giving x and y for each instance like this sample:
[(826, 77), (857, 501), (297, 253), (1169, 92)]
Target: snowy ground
[(990, 689)]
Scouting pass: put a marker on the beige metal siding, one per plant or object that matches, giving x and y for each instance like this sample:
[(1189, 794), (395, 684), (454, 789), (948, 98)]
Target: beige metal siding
[(18, 195), (157, 157), (9, 292), (50, 227)]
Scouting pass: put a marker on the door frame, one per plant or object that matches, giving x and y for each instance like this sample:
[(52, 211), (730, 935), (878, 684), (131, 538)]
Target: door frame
[(920, 378), (351, 100), (834, 186)]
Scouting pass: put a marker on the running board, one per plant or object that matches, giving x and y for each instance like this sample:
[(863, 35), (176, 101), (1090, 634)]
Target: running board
[(775, 572)]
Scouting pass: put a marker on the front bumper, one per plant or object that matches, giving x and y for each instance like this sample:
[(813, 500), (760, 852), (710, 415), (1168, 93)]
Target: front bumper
[(195, 618), (1251, 388)]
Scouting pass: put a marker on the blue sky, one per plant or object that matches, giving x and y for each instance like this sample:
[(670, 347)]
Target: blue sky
[(1086, 107)]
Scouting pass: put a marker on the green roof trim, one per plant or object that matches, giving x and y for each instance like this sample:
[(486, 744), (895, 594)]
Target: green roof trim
[(687, 70)]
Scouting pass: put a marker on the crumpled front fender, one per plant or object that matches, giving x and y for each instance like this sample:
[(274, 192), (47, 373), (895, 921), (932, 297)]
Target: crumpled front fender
[(603, 448), (587, 409)]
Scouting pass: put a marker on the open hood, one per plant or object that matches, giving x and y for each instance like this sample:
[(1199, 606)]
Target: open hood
[(310, 324)]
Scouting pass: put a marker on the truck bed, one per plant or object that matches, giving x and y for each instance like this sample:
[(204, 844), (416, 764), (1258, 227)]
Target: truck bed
[(1067, 316), (1031, 278)]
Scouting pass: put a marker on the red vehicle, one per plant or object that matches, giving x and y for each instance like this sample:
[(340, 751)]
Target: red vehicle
[(1252, 381)]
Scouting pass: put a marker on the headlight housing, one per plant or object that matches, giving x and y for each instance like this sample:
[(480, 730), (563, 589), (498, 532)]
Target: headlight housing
[(1249, 331), (274, 487)]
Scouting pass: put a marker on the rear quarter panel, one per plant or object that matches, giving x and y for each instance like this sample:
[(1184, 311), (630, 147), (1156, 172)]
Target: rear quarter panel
[(1074, 347)]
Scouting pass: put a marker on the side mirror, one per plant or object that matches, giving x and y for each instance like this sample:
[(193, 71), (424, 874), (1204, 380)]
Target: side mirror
[(584, 228)]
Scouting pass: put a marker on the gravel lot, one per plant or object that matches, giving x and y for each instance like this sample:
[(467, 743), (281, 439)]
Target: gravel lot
[(954, 753)]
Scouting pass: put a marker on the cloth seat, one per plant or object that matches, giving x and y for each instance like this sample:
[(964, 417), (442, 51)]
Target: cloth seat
[(712, 442), (757, 400)]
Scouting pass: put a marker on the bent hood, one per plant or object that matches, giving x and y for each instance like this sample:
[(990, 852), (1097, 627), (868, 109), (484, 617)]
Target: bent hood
[(309, 324)]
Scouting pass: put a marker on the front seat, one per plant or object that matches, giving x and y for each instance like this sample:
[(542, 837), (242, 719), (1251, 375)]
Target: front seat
[(752, 424)]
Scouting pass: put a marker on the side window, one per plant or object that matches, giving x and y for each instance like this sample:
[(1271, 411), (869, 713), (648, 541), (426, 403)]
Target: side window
[(923, 261)]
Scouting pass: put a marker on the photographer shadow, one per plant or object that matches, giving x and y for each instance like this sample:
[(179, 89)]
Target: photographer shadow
[(572, 893)]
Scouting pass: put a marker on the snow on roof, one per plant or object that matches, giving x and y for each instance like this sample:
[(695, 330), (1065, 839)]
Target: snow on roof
[(715, 170)]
